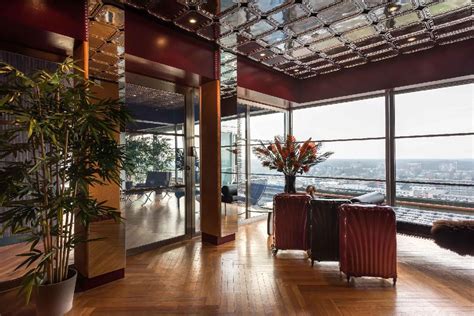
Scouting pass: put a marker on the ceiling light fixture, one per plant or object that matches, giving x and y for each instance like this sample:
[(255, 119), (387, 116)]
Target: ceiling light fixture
[(262, 54), (411, 39), (392, 8), (192, 20)]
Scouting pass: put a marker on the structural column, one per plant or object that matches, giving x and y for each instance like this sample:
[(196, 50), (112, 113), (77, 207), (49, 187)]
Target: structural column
[(101, 57), (210, 124), (218, 224)]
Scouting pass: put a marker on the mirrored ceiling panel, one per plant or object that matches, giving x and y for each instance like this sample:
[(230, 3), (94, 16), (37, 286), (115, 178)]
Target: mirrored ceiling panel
[(351, 23), (274, 38), (285, 47), (303, 26), (257, 29), (289, 14), (340, 11), (303, 38), (217, 7), (314, 36), (266, 6)]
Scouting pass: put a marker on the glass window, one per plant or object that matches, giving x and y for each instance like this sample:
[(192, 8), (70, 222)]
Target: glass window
[(354, 119), (356, 166), (265, 125), (435, 111), (433, 171)]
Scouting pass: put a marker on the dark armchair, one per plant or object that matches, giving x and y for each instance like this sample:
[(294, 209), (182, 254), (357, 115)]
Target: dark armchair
[(230, 193), (324, 229)]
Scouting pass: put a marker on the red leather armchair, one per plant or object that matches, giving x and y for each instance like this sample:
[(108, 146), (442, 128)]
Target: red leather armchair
[(290, 224), (367, 241)]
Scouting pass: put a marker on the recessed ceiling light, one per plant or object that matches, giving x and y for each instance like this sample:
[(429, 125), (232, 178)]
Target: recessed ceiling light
[(393, 8), (262, 54), (411, 39), (192, 20)]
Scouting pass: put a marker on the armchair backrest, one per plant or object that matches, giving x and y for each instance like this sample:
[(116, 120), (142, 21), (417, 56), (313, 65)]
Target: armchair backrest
[(291, 221), (367, 239), (325, 229)]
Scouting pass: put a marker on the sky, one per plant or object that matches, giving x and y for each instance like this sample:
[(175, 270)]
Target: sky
[(437, 111)]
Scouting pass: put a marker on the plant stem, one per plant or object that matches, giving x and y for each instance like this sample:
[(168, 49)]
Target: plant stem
[(47, 241)]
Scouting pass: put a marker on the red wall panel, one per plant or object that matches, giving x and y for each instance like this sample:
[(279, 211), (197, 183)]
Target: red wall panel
[(58, 16), (442, 62), (146, 38), (253, 76)]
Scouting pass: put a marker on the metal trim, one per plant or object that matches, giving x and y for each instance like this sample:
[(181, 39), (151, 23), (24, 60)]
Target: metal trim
[(435, 135), (390, 159), (248, 162)]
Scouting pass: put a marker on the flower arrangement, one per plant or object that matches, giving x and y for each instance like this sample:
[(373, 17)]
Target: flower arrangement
[(291, 157)]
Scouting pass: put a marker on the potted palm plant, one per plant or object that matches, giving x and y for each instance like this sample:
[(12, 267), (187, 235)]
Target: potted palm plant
[(291, 157), (57, 140)]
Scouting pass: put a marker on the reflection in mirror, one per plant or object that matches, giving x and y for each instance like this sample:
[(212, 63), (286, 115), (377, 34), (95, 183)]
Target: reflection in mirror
[(264, 125), (153, 197), (233, 180)]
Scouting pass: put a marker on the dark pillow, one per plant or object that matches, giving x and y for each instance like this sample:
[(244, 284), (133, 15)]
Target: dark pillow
[(456, 236)]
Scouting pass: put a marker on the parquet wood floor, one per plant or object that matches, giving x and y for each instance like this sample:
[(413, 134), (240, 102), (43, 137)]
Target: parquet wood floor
[(243, 278)]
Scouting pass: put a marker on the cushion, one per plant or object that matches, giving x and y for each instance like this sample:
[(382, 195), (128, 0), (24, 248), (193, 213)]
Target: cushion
[(457, 236)]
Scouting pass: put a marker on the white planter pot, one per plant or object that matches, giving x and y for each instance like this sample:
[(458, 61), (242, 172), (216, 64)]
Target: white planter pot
[(56, 299)]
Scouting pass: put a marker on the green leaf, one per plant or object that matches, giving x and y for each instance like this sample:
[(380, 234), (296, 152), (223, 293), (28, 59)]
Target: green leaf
[(31, 127)]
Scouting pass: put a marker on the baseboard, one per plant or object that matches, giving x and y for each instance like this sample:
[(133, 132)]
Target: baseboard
[(215, 240), (84, 284)]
